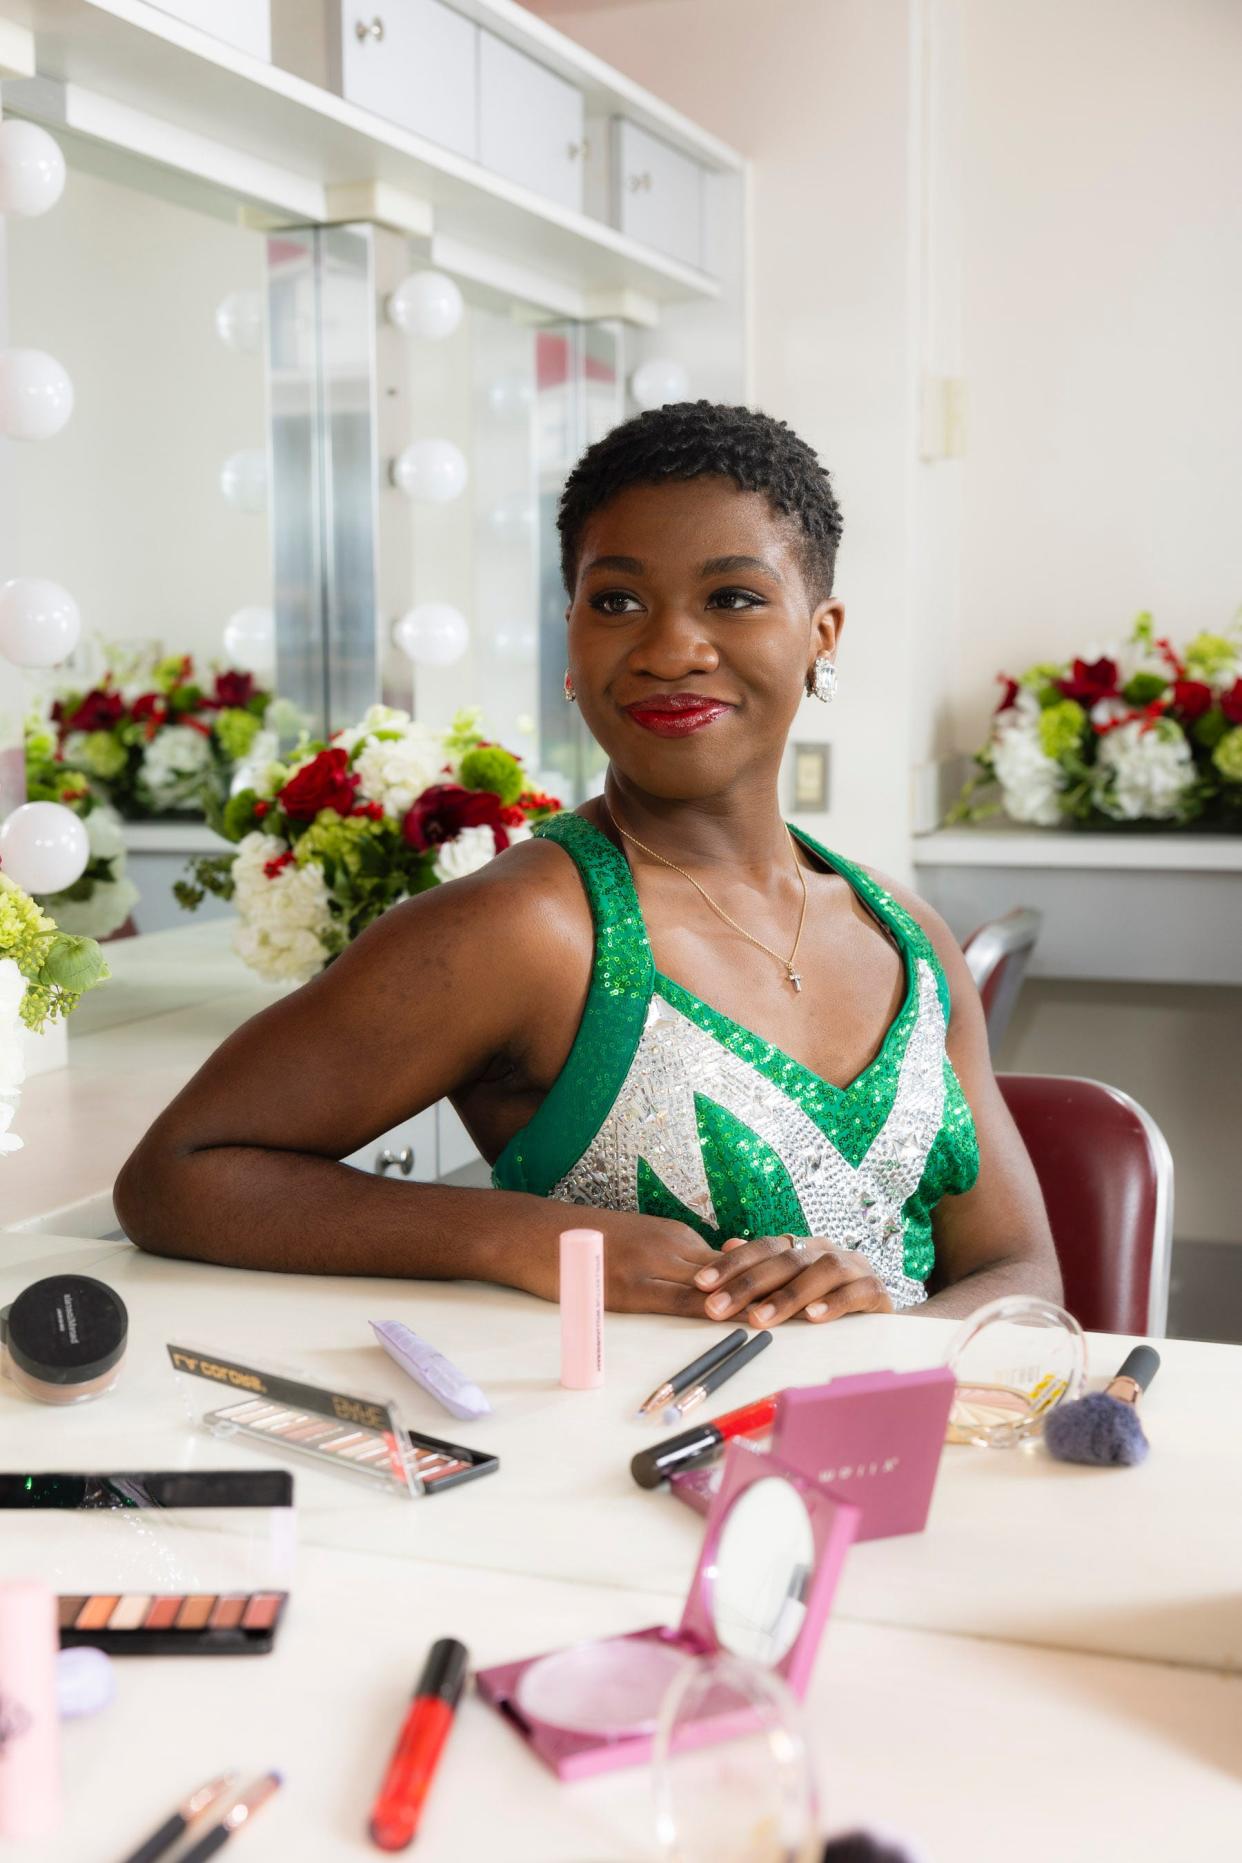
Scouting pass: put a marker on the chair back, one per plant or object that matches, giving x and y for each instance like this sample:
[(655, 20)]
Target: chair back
[(997, 955), (1107, 1177)]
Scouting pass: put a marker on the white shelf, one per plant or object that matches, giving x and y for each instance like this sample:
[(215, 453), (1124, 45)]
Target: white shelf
[(122, 72), (1017, 846), (189, 837)]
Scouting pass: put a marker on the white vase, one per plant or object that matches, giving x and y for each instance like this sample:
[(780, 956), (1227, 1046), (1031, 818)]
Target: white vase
[(42, 1053)]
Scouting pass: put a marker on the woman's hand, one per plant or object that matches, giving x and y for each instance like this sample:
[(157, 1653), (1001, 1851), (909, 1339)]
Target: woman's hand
[(649, 1264), (772, 1280)]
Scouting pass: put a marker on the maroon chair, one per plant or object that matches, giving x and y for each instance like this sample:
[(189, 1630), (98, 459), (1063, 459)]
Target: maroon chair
[(997, 955), (1107, 1178)]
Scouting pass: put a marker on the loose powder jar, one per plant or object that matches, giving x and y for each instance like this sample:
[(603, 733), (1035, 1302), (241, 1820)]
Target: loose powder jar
[(64, 1338)]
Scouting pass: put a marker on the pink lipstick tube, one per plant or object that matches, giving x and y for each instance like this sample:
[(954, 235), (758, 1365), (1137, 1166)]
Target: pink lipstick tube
[(582, 1309), (30, 1738)]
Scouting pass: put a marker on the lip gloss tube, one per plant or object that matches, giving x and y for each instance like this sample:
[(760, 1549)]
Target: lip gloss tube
[(582, 1309), (397, 1810)]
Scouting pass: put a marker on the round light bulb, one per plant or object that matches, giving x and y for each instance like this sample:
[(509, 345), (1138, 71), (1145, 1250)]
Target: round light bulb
[(39, 622), (250, 640), (433, 634), (431, 471), (243, 480), (43, 847), (32, 168), (36, 395), (239, 321), (658, 381), (425, 304)]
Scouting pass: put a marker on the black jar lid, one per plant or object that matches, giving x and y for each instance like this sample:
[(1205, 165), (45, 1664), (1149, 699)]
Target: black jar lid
[(68, 1329)]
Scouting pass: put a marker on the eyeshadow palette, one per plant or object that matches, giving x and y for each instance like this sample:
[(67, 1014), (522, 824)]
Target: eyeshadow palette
[(173, 1624)]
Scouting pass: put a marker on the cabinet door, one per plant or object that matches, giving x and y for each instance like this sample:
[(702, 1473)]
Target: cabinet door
[(413, 61), (414, 1140), (243, 23), (657, 193), (530, 123)]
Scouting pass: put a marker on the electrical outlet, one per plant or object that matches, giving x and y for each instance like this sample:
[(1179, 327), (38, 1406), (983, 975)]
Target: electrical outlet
[(810, 778)]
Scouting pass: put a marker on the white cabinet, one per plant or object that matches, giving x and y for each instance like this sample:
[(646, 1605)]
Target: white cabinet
[(530, 123), (246, 24), (657, 193), (414, 62), (411, 1148)]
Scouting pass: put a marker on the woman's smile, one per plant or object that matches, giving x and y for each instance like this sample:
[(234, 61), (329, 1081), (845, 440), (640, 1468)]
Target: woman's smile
[(676, 714)]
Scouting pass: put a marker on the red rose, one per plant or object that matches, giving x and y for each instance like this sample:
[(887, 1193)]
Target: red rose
[(278, 863), (1090, 681), (1231, 703), (98, 711), (1191, 697), (326, 783), (233, 690), (538, 802), (369, 811), (442, 811), (1010, 692)]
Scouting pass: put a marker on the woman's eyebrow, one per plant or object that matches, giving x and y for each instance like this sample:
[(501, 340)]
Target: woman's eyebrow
[(626, 565), (731, 565)]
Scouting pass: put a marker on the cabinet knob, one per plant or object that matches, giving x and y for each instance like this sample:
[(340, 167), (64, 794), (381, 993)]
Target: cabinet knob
[(576, 149), (402, 1160), (640, 183), (373, 30)]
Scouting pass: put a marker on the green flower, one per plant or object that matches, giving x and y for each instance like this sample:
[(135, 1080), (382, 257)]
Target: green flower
[(463, 733), (1061, 727), (1210, 729), (337, 841), (1228, 755), (493, 769), (1143, 688), (1042, 674), (238, 816), (170, 671), (1209, 655), (25, 931), (73, 965), (235, 732), (102, 755)]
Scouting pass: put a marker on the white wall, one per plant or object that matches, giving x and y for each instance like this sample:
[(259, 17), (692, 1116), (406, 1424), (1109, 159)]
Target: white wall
[(1103, 280)]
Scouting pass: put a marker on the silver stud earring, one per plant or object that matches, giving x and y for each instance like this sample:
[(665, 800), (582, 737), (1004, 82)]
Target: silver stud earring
[(821, 681), (571, 697)]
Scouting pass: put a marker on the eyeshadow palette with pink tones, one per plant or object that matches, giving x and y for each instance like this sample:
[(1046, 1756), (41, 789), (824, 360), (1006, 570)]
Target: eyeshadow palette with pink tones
[(173, 1624)]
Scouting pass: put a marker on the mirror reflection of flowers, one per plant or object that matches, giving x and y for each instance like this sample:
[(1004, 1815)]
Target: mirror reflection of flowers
[(1147, 733), (164, 743), (98, 904), (330, 838), (44, 973)]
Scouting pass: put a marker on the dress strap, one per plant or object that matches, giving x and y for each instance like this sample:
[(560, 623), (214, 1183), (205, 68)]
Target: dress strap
[(908, 934), (622, 978)]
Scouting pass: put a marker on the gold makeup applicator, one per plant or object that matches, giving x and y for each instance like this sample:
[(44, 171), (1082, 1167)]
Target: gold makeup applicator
[(1103, 1428)]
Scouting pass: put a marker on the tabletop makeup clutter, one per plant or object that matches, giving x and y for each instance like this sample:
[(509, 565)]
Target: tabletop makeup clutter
[(157, 1562)]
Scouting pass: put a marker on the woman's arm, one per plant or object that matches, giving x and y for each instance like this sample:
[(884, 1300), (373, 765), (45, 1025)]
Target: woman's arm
[(242, 1167)]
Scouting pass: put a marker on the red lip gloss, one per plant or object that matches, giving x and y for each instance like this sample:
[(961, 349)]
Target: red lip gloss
[(652, 1466), (396, 1812), (677, 717)]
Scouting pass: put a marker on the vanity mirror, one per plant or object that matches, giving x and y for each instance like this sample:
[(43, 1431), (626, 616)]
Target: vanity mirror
[(771, 1558)]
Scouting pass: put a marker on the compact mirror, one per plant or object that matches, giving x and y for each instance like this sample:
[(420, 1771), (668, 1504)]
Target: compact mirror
[(1014, 1360), (763, 1564)]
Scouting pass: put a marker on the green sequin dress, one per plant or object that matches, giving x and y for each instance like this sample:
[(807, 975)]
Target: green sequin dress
[(666, 1106)]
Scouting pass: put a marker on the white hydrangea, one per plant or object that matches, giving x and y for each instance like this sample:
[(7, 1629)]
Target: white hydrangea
[(394, 771), (285, 920), (1143, 772), (174, 762), (111, 901), (465, 853), (12, 1060), (259, 764), (1030, 781)]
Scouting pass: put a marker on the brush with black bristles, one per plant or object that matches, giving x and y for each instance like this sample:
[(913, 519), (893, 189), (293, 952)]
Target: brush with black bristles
[(1103, 1428)]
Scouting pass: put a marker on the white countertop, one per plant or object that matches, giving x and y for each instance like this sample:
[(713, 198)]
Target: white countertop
[(932, 1710)]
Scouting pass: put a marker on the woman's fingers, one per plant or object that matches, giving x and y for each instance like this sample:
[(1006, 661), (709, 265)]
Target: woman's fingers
[(749, 1270), (830, 1288)]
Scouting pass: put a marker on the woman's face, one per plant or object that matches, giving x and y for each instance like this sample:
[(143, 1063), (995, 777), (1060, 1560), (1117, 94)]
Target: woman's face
[(691, 633)]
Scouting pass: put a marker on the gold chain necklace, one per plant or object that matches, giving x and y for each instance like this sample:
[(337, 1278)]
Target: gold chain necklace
[(792, 975)]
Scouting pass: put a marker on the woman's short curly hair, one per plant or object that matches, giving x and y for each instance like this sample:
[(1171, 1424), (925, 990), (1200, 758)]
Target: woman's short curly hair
[(690, 439)]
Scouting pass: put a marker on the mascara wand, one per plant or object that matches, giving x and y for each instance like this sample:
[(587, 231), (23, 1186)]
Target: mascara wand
[(1103, 1428)]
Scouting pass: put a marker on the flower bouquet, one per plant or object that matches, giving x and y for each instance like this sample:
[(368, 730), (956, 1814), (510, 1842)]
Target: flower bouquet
[(43, 974), (163, 747), (1148, 734), (100, 901), (330, 838)]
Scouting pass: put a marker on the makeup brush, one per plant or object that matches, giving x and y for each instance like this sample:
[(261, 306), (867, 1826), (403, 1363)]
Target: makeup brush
[(1103, 1428), (181, 1820)]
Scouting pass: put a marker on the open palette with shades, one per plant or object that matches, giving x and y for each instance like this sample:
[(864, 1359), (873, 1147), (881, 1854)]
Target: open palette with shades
[(194, 1623)]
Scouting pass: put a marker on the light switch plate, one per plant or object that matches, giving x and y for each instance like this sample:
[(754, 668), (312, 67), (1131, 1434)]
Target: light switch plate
[(810, 777)]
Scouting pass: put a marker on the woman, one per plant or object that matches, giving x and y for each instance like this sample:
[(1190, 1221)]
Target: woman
[(765, 1068)]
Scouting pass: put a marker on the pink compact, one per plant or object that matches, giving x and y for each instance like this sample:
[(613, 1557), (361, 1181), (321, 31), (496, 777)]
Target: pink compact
[(762, 1590), (873, 1438)]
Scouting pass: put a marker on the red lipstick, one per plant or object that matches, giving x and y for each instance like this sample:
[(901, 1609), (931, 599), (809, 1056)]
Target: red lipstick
[(652, 1466), (676, 714), (395, 1816)]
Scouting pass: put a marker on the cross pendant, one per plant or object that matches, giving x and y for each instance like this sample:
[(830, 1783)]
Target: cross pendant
[(794, 978)]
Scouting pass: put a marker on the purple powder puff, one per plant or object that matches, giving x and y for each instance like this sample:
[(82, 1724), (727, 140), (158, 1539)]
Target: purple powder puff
[(1101, 1430)]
